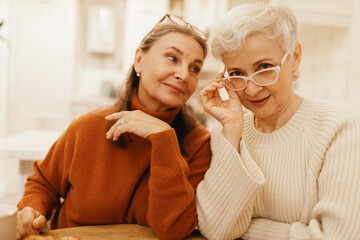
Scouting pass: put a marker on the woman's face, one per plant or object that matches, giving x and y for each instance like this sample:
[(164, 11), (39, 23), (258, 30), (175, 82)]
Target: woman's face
[(260, 52), (169, 71)]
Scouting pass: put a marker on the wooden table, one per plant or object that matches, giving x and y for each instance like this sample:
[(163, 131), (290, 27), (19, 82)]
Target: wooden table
[(118, 231)]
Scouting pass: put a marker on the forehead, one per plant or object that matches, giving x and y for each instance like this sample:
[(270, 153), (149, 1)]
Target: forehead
[(186, 43), (255, 46), (260, 40)]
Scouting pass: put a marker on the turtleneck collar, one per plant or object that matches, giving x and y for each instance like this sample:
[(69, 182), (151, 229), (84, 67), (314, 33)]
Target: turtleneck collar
[(167, 116)]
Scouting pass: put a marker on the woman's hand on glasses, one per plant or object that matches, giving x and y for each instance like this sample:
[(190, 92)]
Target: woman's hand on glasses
[(229, 112)]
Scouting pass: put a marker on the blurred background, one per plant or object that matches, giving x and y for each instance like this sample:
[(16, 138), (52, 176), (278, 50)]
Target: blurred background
[(62, 58)]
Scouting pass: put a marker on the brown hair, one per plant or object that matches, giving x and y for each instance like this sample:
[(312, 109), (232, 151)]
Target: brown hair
[(184, 122)]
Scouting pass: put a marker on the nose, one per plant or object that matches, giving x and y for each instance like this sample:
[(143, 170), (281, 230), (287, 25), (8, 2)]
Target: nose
[(182, 72), (252, 89)]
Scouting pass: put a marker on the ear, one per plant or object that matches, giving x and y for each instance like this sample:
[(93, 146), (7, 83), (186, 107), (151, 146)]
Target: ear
[(137, 60), (297, 57)]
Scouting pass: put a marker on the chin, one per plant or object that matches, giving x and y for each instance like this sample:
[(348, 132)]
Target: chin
[(171, 105), (173, 102)]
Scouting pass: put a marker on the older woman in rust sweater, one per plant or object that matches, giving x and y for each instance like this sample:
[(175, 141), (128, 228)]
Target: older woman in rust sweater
[(138, 162)]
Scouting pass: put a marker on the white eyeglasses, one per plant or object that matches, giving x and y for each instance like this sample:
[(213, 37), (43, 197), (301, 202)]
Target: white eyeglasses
[(264, 77)]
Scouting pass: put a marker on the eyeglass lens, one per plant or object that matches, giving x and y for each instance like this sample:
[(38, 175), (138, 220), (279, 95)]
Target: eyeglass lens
[(261, 78), (178, 20)]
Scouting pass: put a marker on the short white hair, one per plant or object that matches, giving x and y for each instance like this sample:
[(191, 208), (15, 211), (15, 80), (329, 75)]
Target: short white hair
[(277, 22)]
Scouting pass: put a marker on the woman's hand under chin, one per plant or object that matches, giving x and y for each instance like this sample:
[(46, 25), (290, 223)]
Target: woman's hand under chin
[(136, 122)]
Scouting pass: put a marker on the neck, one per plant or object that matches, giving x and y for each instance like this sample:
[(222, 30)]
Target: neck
[(167, 116), (280, 118), (150, 104)]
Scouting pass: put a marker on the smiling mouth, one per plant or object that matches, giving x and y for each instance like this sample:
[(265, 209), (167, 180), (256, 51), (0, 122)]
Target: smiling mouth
[(174, 88), (258, 101), (261, 102)]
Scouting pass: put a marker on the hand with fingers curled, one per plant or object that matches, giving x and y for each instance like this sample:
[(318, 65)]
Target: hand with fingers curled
[(136, 122), (30, 222), (229, 112)]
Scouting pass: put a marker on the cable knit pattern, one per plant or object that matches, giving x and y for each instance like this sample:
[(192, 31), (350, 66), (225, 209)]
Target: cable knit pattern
[(301, 181)]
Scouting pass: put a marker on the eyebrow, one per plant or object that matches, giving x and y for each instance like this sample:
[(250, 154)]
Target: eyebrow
[(182, 53), (254, 64), (263, 60)]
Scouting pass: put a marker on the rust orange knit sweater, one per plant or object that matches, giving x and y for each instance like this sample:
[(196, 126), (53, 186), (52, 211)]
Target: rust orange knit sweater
[(146, 181)]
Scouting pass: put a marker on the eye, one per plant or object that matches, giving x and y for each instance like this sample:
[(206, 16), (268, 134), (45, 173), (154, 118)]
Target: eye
[(264, 66), (195, 69), (235, 73), (172, 58)]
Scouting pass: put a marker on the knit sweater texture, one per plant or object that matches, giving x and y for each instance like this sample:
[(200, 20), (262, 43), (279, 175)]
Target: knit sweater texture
[(145, 181), (301, 181)]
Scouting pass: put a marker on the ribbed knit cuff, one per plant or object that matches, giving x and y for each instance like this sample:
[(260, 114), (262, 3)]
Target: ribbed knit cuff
[(165, 147), (41, 206), (267, 229)]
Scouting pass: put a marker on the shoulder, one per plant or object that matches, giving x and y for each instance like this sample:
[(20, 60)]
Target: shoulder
[(327, 120), (91, 122), (330, 113), (93, 116)]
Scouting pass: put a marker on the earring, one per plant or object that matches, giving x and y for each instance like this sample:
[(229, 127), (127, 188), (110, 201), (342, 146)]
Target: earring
[(138, 74), (296, 75)]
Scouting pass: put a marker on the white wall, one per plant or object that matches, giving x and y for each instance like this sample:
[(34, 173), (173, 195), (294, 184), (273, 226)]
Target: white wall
[(141, 17), (36, 73), (324, 65), (4, 57), (42, 62), (353, 87)]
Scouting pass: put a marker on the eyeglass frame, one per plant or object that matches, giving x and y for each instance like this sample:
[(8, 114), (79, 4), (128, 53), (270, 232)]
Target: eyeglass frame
[(186, 24), (250, 78)]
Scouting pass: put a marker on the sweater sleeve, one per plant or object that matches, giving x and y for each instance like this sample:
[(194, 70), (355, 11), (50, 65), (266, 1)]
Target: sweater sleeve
[(225, 197), (336, 215), (44, 188), (173, 180)]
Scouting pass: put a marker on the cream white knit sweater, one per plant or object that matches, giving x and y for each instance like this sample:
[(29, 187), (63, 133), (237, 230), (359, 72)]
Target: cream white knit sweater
[(299, 182)]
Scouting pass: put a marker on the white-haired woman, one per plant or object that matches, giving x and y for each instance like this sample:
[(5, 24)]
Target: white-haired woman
[(289, 168)]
